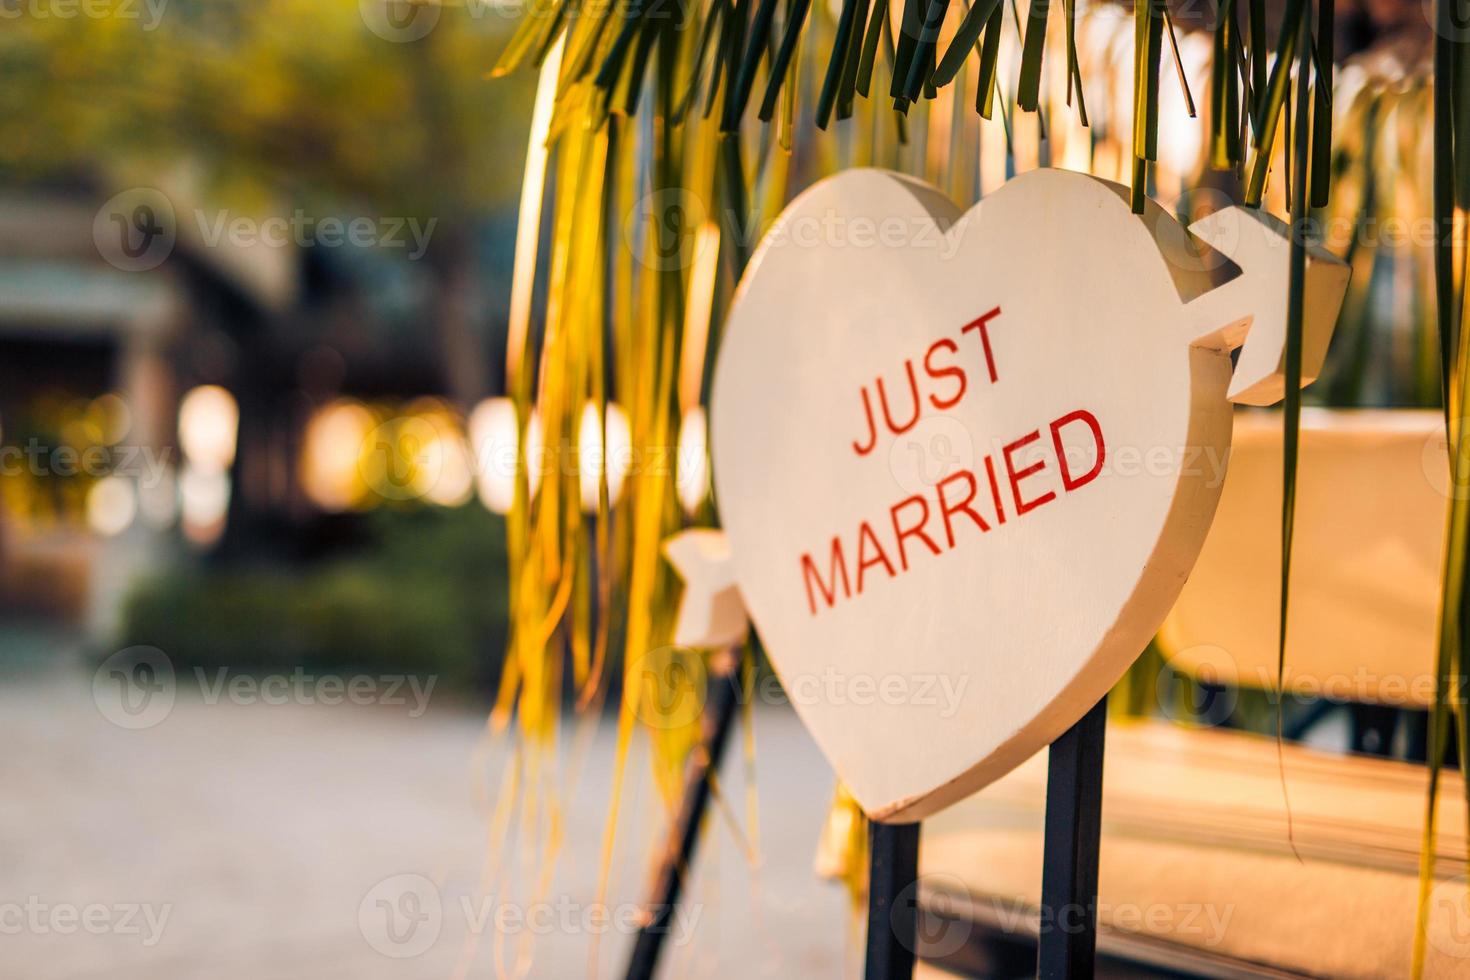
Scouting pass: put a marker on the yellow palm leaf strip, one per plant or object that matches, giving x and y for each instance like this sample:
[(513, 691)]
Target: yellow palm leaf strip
[(727, 816), (966, 39), (535, 32), (593, 228), (550, 567), (1147, 49), (518, 377), (698, 307), (586, 36), (494, 866), (1291, 420), (1225, 91), (580, 311), (510, 676), (1179, 65), (649, 360), (1322, 52), (1450, 661), (704, 258), (528, 225), (1269, 115)]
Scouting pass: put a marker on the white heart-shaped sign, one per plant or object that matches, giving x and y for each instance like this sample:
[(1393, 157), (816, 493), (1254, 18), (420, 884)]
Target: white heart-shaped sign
[(965, 463)]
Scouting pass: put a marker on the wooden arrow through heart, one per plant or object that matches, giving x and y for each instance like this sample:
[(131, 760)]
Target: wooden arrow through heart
[(906, 498)]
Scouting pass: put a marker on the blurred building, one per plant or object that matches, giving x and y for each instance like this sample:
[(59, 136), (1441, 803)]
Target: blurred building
[(165, 390), (102, 324)]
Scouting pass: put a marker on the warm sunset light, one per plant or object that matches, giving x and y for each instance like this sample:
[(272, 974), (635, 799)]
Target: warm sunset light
[(208, 421), (732, 489)]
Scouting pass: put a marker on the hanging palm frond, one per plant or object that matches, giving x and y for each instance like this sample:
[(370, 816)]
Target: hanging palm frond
[(678, 131)]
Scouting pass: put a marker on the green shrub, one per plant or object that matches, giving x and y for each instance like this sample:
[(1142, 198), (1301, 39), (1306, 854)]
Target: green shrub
[(427, 595)]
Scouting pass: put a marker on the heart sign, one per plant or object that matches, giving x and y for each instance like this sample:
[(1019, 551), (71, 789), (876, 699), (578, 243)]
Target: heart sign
[(964, 463)]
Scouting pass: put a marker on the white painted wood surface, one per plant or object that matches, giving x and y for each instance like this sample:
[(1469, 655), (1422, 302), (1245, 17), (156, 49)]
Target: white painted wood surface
[(946, 586)]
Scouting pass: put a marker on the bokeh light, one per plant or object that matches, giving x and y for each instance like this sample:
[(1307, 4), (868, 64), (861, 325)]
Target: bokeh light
[(693, 471), (204, 502), (596, 454), (111, 505), (332, 445), (208, 422)]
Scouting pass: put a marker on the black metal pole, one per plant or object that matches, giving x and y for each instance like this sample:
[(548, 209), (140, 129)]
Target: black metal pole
[(1067, 947), (893, 900), (717, 722)]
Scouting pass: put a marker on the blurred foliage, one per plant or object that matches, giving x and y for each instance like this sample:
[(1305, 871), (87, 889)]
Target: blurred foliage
[(415, 599), (55, 452), (266, 95)]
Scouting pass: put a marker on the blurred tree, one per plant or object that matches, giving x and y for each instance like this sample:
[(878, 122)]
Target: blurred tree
[(333, 106)]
